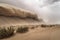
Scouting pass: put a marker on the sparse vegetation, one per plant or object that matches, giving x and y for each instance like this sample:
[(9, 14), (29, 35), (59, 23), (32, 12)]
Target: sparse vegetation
[(32, 27), (6, 32), (42, 25), (22, 29)]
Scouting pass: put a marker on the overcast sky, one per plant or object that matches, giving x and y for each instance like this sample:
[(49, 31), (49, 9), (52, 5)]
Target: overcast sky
[(49, 10)]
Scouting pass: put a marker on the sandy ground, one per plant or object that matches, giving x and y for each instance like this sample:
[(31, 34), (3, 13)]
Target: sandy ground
[(39, 33)]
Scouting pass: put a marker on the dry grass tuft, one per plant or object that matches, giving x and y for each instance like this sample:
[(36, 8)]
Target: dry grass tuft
[(22, 29), (6, 32)]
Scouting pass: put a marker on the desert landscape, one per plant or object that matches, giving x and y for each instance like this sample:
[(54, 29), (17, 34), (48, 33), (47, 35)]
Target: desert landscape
[(20, 24)]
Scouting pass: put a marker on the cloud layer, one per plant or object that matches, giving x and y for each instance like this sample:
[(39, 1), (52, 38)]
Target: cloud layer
[(49, 10)]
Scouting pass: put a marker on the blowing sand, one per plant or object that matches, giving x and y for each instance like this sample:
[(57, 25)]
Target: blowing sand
[(11, 16), (8, 18)]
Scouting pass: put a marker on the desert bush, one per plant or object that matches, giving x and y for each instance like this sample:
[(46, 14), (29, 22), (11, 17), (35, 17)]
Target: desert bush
[(6, 32), (22, 29), (43, 25)]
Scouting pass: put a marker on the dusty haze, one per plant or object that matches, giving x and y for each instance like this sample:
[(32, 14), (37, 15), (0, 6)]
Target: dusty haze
[(47, 9), (11, 15), (15, 16)]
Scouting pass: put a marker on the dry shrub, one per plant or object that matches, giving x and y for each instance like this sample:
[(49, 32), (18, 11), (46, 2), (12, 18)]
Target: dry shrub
[(22, 29), (43, 25), (6, 32)]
